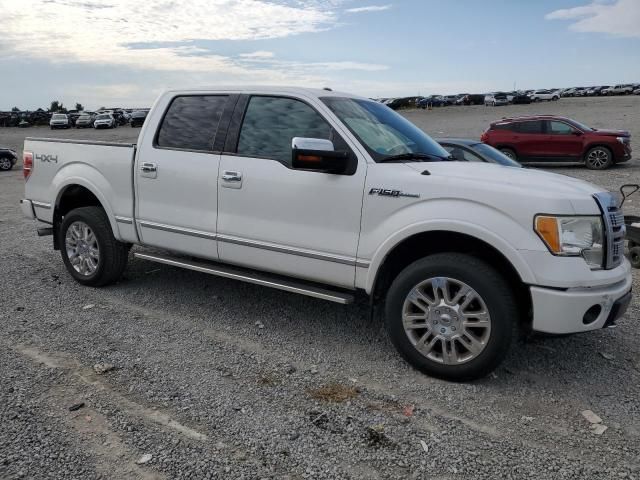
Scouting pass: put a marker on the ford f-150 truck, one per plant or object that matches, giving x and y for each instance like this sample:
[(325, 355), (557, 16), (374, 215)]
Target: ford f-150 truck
[(325, 194)]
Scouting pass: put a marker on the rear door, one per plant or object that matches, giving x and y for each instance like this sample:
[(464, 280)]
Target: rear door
[(563, 141), (529, 139), (300, 223), (176, 174)]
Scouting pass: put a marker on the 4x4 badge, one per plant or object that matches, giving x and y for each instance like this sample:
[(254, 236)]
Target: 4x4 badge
[(47, 158), (385, 192)]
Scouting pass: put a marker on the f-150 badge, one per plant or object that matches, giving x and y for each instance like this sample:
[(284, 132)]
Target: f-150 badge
[(385, 192)]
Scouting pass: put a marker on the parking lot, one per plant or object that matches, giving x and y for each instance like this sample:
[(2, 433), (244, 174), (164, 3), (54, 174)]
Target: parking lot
[(214, 378)]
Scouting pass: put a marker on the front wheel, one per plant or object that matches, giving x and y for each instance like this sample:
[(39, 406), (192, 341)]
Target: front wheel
[(89, 250), (598, 158), (634, 253), (451, 316)]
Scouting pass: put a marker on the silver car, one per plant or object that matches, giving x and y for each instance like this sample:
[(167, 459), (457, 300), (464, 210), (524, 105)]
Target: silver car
[(104, 120), (59, 120)]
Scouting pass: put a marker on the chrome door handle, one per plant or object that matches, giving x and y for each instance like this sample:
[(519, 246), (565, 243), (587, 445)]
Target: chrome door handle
[(231, 176), (149, 167)]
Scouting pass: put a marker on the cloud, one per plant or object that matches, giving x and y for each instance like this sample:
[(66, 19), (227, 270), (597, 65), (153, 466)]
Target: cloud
[(618, 18), (369, 8), (260, 54)]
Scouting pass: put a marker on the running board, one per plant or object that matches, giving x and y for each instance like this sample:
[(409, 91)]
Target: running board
[(258, 278)]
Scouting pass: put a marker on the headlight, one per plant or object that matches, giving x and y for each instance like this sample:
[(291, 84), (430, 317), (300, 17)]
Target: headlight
[(573, 236), (622, 140)]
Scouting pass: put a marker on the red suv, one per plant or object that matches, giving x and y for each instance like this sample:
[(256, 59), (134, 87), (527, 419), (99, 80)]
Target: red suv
[(550, 138)]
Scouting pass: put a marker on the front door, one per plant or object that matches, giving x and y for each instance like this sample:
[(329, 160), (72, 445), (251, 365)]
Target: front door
[(176, 177), (563, 141), (271, 217)]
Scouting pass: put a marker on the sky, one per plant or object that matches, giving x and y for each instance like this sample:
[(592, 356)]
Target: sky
[(125, 52)]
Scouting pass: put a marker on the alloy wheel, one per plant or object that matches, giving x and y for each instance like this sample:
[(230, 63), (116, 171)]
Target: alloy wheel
[(598, 158), (5, 163), (82, 248), (446, 320)]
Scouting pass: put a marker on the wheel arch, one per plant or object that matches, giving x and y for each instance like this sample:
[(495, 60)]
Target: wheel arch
[(429, 242)]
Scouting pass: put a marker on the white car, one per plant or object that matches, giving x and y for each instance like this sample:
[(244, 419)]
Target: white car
[(325, 194), (539, 95), (104, 120), (496, 99), (59, 120)]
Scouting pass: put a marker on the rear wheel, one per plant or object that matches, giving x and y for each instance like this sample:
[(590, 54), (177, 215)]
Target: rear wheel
[(507, 152), (89, 250), (451, 316), (5, 163), (598, 158)]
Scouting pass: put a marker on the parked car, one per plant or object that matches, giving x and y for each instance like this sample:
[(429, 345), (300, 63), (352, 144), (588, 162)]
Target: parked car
[(137, 118), (59, 120), (550, 138), (620, 89), (521, 98), (467, 150), (496, 99), (104, 120), (433, 101), (450, 99), (8, 158), (636, 91), (85, 121), (404, 102), (457, 255), (460, 98), (597, 91), (540, 95)]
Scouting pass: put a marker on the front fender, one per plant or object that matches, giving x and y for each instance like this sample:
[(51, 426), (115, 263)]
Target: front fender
[(501, 231)]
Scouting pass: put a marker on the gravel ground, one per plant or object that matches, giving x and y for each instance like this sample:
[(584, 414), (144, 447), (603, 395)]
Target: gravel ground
[(213, 378)]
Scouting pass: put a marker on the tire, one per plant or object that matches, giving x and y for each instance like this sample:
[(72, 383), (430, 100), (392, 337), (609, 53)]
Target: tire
[(509, 153), (555, 99), (493, 104), (634, 254), (491, 338), (6, 164), (111, 255), (598, 158)]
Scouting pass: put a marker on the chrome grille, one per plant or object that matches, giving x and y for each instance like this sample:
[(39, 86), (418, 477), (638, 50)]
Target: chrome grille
[(614, 229)]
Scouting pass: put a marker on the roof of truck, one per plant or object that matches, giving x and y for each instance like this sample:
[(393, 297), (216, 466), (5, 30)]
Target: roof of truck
[(310, 92)]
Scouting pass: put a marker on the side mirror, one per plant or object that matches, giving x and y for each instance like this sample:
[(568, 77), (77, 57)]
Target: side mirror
[(317, 154)]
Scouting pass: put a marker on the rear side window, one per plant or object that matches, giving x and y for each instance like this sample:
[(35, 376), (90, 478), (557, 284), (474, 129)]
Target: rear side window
[(191, 122), (533, 126), (270, 123)]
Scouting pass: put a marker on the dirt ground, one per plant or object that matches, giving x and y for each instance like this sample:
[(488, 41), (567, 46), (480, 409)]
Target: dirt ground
[(214, 378)]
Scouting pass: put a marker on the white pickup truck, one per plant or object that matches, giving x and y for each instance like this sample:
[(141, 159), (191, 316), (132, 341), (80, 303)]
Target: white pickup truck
[(325, 194)]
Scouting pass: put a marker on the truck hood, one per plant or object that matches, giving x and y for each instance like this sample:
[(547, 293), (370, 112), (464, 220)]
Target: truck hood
[(515, 184)]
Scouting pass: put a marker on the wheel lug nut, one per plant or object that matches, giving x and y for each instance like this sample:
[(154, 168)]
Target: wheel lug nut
[(443, 330), (435, 322), (453, 329)]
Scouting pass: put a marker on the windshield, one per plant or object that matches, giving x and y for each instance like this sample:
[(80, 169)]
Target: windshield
[(102, 117), (581, 126), (59, 116), (383, 132), (139, 114), (495, 155)]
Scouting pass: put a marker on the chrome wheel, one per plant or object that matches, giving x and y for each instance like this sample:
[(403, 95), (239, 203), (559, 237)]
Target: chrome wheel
[(82, 248), (508, 153), (446, 320), (598, 158), (5, 163)]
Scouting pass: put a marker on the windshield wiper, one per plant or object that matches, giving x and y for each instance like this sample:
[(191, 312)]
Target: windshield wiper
[(425, 157)]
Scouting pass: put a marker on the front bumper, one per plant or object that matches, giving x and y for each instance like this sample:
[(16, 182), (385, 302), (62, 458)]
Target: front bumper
[(579, 309)]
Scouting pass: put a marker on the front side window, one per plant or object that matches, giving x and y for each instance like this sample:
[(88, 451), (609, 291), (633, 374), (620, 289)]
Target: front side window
[(559, 128), (532, 126), (383, 132), (270, 123), (191, 122)]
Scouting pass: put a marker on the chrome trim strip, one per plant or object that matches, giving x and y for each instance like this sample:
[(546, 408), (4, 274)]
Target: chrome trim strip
[(180, 230), (126, 220), (80, 142), (46, 206), (363, 263), (292, 251), (255, 278)]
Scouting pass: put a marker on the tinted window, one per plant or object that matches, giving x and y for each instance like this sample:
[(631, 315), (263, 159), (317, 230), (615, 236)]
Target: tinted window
[(559, 128), (270, 123), (191, 122), (533, 126)]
